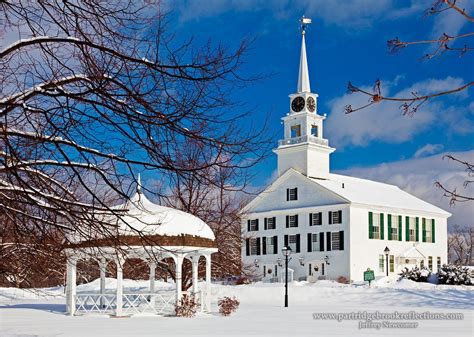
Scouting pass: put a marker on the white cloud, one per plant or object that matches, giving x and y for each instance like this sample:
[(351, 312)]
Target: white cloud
[(418, 177), (427, 150), (384, 121)]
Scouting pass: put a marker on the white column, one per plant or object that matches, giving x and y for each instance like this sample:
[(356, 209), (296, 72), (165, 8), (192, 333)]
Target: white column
[(103, 269), (119, 291), (195, 263), (71, 286), (207, 299), (179, 267), (152, 266)]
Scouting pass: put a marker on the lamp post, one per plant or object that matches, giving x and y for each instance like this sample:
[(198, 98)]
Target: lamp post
[(286, 252), (386, 251)]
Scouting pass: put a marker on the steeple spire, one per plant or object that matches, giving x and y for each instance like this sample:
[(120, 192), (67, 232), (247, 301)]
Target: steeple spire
[(139, 184), (303, 75)]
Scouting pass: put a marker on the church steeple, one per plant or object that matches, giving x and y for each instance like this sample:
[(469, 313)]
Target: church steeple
[(303, 147), (303, 75)]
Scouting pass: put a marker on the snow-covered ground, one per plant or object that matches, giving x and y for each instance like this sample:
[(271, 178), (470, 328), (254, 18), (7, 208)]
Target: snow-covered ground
[(261, 313)]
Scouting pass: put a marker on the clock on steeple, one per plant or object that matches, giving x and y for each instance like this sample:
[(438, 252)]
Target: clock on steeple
[(303, 147)]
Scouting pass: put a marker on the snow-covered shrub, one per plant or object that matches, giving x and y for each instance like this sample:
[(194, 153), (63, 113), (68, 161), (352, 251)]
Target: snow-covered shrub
[(454, 274), (228, 305), (415, 274), (242, 280), (342, 279), (186, 307)]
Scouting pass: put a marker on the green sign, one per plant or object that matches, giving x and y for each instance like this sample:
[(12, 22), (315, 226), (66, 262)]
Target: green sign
[(369, 275)]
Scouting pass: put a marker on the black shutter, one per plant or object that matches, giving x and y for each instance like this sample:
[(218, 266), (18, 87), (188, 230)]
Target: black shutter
[(321, 241), (330, 218), (265, 224), (340, 216), (298, 243), (287, 221), (285, 240), (275, 244), (309, 242), (264, 246), (258, 246), (341, 240), (328, 241), (296, 220), (274, 222), (287, 194), (248, 225), (247, 247), (320, 218), (296, 193), (257, 224), (310, 219)]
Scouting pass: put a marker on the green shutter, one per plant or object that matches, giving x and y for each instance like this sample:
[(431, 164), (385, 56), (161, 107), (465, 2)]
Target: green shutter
[(433, 230), (381, 226), (400, 228), (407, 228), (423, 229), (371, 229), (389, 226), (417, 227)]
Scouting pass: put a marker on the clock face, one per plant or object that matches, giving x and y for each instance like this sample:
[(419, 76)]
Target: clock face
[(311, 103), (297, 104)]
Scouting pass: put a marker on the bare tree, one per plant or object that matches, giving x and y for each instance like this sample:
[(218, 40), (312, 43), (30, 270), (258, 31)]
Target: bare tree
[(409, 105), (217, 201), (92, 92), (460, 245)]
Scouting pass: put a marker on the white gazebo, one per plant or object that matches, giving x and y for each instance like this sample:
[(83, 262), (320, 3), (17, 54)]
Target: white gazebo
[(152, 233)]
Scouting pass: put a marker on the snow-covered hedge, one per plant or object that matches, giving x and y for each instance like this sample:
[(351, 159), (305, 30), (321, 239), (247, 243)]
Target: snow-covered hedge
[(416, 274), (454, 274)]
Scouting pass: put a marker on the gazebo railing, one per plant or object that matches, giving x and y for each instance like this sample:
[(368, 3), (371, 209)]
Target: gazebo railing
[(95, 303), (133, 303)]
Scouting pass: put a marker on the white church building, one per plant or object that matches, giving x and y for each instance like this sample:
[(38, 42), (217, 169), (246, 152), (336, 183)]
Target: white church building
[(336, 225)]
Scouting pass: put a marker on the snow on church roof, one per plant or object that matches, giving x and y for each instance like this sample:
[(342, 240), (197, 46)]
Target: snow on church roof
[(152, 219), (369, 192)]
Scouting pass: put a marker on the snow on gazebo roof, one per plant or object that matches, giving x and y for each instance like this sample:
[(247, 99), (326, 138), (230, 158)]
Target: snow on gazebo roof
[(141, 222), (142, 215)]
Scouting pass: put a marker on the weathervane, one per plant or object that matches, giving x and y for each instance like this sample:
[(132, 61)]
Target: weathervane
[(304, 24)]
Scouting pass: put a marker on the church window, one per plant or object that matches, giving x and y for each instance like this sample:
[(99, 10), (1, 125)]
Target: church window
[(291, 194), (381, 263), (335, 217), (253, 225), (315, 219), (314, 130)]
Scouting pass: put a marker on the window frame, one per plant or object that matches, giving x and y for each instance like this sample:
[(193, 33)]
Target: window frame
[(254, 225), (317, 242), (293, 217), (337, 240), (381, 263), (271, 220)]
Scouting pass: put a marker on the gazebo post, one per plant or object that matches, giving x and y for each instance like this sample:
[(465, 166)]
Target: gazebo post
[(103, 269), (195, 265), (152, 266), (208, 283), (71, 285), (119, 290), (179, 267)]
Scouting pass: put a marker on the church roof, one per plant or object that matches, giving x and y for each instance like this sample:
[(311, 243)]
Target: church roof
[(369, 192)]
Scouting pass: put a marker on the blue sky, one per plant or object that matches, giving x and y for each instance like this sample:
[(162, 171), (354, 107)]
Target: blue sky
[(347, 42)]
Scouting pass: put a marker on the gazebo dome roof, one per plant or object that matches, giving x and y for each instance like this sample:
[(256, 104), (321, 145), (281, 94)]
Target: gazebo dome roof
[(141, 216)]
